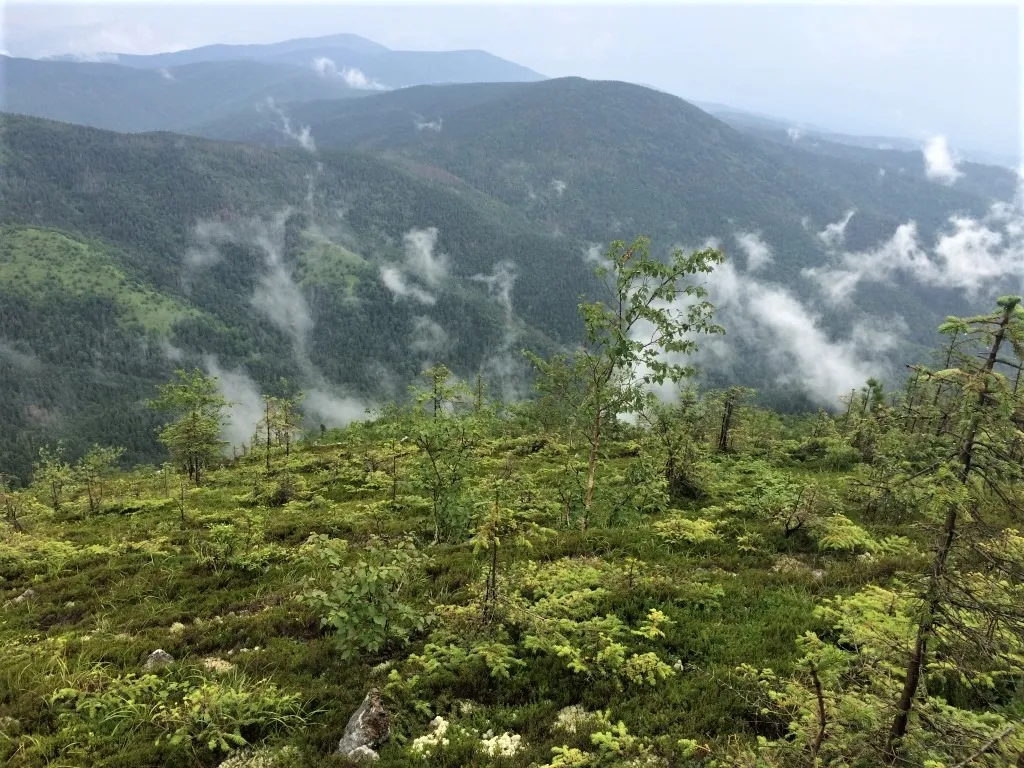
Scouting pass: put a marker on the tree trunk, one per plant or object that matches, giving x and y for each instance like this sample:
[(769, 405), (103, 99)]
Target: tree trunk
[(723, 434), (588, 498), (933, 596), (268, 436)]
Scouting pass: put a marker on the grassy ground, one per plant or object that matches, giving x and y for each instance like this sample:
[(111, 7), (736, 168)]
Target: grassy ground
[(212, 575)]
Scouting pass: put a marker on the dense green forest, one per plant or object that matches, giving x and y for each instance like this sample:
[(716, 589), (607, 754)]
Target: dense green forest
[(190, 246), (346, 270), (591, 577)]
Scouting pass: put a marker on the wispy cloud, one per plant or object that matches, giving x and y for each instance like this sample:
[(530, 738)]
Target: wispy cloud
[(969, 254), (428, 337), (353, 77), (940, 165), (428, 125), (421, 264), (303, 136), (395, 281), (757, 251), (799, 352), (834, 234)]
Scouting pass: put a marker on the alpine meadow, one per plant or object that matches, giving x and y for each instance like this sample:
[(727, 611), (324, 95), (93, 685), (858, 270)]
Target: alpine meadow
[(361, 404)]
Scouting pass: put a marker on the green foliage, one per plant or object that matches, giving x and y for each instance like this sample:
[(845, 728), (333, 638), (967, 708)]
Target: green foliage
[(364, 602), (722, 628), (678, 529), (53, 474), (188, 710), (197, 406), (92, 471)]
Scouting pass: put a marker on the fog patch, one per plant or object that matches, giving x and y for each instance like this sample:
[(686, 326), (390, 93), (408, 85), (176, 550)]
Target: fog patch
[(354, 78), (303, 135), (939, 163), (834, 234), (428, 337), (757, 251), (245, 402), (428, 125), (969, 255)]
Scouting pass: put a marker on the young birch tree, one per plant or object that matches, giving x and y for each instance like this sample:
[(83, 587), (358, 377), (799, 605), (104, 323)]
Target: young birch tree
[(635, 337)]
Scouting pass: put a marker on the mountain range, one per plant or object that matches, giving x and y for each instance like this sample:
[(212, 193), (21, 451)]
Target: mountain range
[(174, 91), (251, 216)]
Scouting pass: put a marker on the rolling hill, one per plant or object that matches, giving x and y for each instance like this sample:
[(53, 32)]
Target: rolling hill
[(173, 91), (598, 160), (449, 222), (342, 273), (126, 99)]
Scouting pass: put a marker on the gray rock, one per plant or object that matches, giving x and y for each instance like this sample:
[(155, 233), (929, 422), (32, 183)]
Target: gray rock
[(368, 728), (361, 754), (24, 597), (158, 658)]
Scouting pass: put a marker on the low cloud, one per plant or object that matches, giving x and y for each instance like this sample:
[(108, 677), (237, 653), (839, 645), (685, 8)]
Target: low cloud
[(757, 251), (395, 281), (503, 368), (243, 394), (428, 125), (94, 58), (769, 327), (18, 358), (834, 234), (969, 255), (353, 77), (421, 264), (334, 410), (794, 133), (428, 337), (499, 284), (303, 136), (939, 163), (278, 296), (559, 186), (166, 74), (769, 320), (421, 259), (170, 352)]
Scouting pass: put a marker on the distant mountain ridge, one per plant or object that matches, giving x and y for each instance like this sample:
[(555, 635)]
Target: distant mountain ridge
[(174, 91), (228, 52)]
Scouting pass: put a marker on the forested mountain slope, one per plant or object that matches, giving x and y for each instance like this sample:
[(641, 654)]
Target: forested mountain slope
[(121, 98), (598, 160), (424, 224), (326, 271)]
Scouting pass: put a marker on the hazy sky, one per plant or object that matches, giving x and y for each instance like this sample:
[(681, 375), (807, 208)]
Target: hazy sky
[(911, 70)]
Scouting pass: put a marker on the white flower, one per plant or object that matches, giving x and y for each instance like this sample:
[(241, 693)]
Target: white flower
[(505, 745), (218, 666), (424, 745), (572, 718)]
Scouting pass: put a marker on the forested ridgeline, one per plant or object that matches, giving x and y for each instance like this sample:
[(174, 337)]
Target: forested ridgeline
[(592, 577)]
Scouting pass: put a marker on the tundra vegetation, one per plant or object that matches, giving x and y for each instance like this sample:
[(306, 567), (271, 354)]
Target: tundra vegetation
[(592, 577)]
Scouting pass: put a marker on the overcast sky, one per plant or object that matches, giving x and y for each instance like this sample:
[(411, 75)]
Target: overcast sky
[(914, 71)]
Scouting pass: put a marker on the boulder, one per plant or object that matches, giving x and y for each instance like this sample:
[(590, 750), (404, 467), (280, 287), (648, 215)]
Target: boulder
[(367, 729), (24, 597), (158, 658)]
